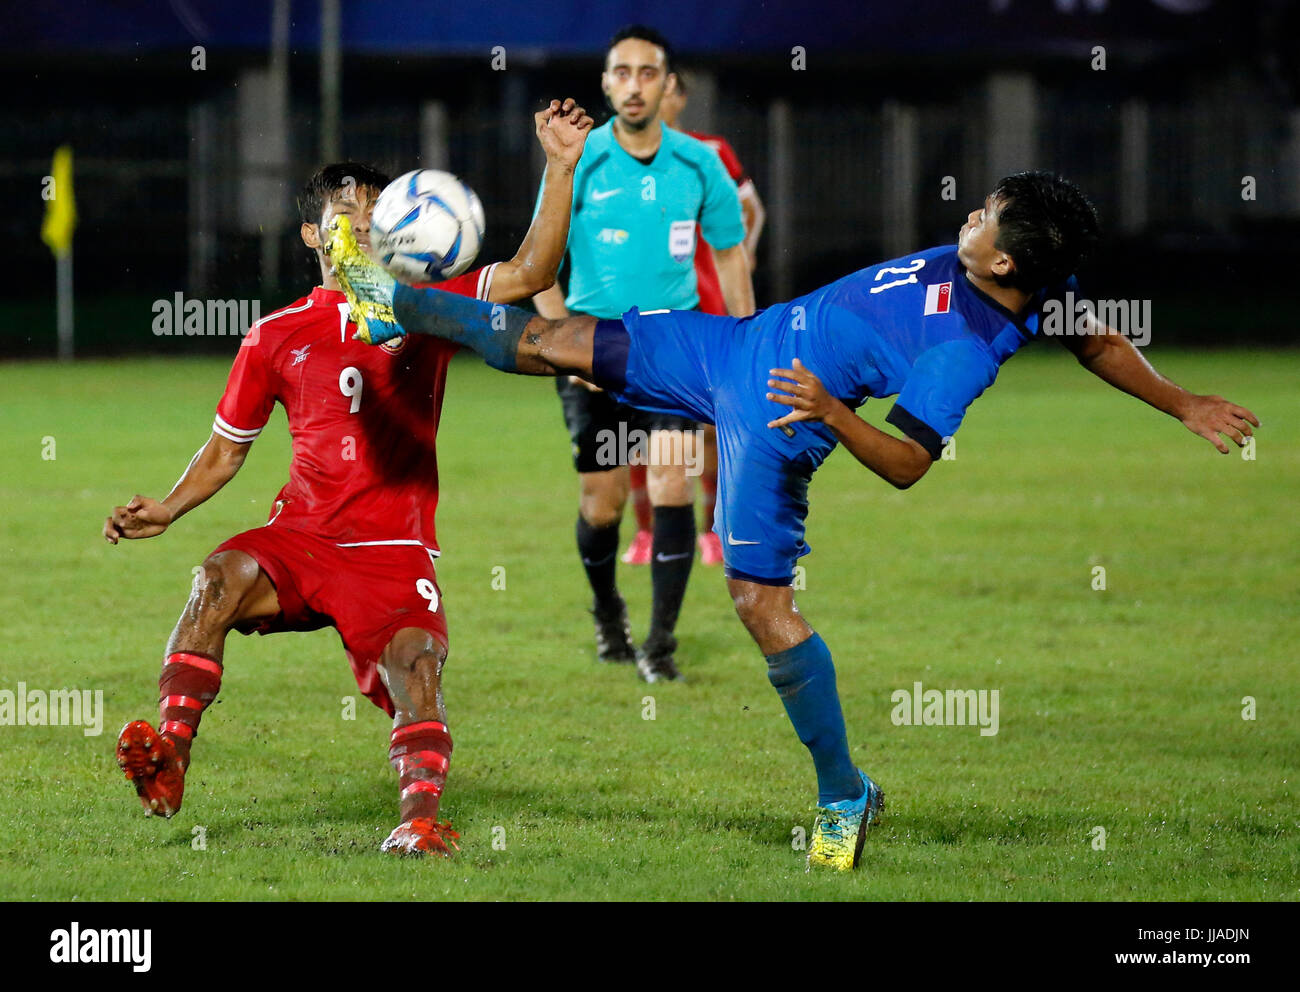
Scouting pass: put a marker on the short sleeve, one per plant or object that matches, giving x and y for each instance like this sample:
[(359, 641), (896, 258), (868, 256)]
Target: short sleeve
[(246, 404), (721, 221), (944, 381)]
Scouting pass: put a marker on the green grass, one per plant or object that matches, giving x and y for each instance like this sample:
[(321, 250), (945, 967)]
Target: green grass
[(1119, 708)]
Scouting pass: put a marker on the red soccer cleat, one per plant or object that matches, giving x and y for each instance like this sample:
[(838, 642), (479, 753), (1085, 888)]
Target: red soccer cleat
[(420, 835), (638, 552), (151, 763), (710, 548)]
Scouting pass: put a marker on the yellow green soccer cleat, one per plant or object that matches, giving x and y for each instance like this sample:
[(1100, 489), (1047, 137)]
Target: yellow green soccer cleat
[(368, 287), (841, 828)]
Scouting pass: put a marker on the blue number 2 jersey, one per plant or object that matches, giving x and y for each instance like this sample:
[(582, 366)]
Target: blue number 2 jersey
[(914, 327)]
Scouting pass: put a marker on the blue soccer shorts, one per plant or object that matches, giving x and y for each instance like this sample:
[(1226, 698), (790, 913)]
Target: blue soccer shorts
[(697, 365)]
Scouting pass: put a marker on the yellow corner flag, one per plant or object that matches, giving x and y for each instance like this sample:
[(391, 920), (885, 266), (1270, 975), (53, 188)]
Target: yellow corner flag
[(60, 205)]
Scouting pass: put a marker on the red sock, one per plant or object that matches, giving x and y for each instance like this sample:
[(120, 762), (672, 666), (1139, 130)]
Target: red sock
[(421, 753), (709, 483), (640, 497), (186, 687)]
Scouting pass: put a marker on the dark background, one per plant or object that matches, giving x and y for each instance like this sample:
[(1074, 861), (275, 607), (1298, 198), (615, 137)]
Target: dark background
[(180, 188)]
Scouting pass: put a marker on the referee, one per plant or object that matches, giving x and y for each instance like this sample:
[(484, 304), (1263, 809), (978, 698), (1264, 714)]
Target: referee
[(639, 190)]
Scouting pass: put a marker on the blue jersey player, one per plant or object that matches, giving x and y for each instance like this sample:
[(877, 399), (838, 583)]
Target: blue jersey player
[(932, 328)]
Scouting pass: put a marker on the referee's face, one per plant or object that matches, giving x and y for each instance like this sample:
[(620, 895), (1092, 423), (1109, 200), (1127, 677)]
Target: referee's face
[(634, 81)]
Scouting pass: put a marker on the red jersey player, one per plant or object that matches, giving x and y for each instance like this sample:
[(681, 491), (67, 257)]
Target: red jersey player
[(711, 301), (350, 541)]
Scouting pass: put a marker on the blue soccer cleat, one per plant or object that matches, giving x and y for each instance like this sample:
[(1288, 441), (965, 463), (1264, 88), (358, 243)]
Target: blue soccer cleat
[(841, 828)]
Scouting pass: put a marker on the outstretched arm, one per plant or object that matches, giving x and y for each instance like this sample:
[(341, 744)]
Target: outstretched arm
[(212, 467), (899, 461), (1112, 358), (562, 130)]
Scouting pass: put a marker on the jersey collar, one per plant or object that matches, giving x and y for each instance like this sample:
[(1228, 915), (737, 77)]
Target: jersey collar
[(1018, 322), (327, 297)]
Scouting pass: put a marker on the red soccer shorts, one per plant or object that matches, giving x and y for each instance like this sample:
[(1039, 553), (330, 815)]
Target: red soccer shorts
[(367, 593)]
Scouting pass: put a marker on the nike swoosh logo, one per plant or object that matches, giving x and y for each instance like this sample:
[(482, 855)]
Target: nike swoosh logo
[(733, 542), (604, 194), (663, 557)]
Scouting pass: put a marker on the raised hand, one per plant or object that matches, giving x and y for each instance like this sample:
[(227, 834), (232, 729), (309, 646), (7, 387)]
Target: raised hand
[(562, 128)]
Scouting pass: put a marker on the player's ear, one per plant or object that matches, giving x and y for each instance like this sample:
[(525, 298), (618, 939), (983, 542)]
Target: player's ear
[(310, 235), (671, 83), (1002, 266)]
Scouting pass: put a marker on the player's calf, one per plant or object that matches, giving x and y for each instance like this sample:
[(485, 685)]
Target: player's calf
[(229, 589), (420, 745)]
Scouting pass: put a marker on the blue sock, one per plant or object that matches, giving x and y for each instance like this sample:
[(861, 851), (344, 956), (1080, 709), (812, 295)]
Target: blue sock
[(804, 676), (491, 329)]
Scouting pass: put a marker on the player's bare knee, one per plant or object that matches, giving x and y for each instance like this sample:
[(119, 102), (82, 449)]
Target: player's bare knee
[(603, 497), (221, 586), (667, 482)]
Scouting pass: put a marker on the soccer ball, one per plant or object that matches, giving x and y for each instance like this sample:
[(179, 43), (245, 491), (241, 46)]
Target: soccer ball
[(427, 225)]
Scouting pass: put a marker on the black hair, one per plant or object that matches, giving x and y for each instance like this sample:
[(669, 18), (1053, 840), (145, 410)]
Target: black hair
[(1047, 225), (328, 180), (643, 33), (681, 81)]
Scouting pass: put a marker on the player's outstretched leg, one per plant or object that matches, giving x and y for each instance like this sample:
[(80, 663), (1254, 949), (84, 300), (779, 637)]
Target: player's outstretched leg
[(799, 667), (507, 338), (420, 745), (229, 590)]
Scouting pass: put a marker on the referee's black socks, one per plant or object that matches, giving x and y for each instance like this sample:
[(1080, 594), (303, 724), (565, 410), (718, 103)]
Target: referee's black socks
[(599, 549), (671, 557)]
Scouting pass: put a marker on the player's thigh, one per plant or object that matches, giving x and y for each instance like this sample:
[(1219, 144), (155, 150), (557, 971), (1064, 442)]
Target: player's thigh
[(762, 506), (673, 356), (231, 589), (373, 595), (601, 434)]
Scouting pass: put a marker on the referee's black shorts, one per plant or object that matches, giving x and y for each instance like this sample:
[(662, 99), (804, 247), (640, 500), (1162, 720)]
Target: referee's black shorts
[(599, 426)]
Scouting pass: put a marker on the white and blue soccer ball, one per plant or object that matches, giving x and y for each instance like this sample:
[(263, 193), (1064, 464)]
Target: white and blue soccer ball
[(427, 226)]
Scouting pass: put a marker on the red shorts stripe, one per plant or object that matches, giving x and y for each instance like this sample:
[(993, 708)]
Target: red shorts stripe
[(415, 787), (178, 729), (185, 702), (194, 661), (414, 729)]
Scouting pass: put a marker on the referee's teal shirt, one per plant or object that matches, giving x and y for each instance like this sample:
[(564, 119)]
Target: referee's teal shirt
[(632, 234)]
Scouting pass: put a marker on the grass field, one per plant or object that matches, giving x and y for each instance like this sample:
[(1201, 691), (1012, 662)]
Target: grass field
[(1119, 709)]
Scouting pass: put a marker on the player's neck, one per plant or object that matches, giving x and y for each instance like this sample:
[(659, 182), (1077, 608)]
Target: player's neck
[(1011, 298), (327, 280), (640, 143)]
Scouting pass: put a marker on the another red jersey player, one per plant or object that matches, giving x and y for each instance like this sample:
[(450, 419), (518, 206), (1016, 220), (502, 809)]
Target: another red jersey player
[(711, 301), (350, 541)]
